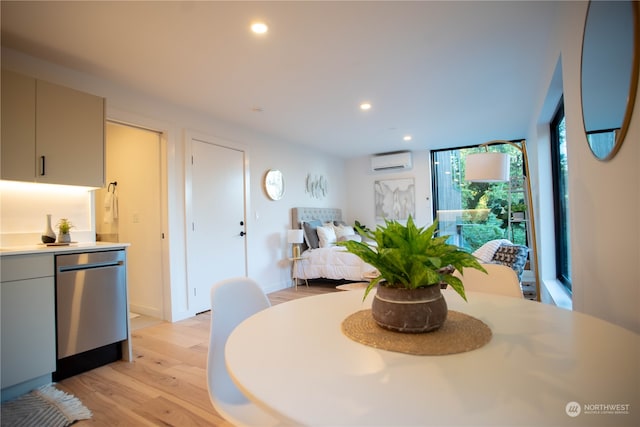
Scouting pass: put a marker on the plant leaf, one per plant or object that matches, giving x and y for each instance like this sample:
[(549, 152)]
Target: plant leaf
[(411, 257)]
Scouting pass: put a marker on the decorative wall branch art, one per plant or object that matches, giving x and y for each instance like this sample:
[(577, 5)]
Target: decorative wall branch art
[(394, 199), (316, 186)]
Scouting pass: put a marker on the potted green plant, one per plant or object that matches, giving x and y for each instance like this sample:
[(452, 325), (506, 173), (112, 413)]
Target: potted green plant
[(413, 263), (64, 227), (518, 210)]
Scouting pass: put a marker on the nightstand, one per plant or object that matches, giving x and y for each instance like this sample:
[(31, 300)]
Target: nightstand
[(294, 269)]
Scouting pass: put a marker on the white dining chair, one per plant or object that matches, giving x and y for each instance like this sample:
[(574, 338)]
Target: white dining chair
[(499, 279), (232, 301)]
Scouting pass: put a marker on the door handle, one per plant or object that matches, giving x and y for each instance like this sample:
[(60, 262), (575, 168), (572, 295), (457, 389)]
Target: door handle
[(242, 234)]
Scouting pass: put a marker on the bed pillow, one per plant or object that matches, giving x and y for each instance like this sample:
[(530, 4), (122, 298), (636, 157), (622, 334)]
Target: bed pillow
[(354, 237), (310, 233), (514, 256), (343, 230), (485, 252), (326, 236)]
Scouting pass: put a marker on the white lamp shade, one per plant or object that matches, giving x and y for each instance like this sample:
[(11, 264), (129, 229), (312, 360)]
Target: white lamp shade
[(294, 236), (487, 167)]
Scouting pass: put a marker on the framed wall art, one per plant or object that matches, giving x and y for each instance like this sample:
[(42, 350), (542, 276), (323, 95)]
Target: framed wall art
[(394, 199)]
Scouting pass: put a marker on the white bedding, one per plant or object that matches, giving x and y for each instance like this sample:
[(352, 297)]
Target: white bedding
[(333, 262)]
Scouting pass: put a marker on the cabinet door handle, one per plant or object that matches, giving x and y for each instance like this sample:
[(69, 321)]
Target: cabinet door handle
[(242, 234), (42, 164)]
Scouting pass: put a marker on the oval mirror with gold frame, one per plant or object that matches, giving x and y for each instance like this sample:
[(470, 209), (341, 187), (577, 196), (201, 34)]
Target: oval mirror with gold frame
[(609, 73), (274, 184)]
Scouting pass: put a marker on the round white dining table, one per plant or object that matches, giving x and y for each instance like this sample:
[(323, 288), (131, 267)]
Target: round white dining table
[(544, 366)]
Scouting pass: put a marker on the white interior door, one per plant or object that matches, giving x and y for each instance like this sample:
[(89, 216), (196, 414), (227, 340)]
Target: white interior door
[(216, 242)]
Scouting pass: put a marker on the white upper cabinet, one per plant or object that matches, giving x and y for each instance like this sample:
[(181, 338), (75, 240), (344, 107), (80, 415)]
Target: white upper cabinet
[(69, 136), (18, 127), (51, 133)]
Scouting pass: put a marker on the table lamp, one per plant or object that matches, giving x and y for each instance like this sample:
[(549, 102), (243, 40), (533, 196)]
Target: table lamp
[(295, 237)]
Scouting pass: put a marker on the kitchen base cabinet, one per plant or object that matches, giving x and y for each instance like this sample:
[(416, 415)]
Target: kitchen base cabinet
[(28, 323)]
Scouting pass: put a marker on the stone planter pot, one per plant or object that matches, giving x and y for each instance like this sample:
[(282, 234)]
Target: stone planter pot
[(409, 310), (64, 238)]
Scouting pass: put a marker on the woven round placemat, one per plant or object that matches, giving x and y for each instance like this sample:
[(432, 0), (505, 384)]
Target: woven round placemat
[(459, 333)]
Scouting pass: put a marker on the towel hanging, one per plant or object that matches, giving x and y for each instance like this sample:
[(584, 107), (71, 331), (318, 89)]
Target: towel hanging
[(110, 206)]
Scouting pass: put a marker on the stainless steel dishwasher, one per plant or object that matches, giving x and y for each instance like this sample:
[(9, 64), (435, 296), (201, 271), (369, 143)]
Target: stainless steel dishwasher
[(91, 310)]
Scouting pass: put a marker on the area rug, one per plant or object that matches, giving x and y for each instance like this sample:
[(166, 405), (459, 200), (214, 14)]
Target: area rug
[(44, 406)]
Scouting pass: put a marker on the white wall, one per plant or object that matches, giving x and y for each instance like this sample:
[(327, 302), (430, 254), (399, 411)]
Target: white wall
[(603, 196), (604, 201), (266, 231), (268, 220), (360, 181)]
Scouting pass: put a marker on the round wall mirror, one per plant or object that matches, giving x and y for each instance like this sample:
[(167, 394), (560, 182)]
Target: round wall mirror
[(609, 74), (274, 184)]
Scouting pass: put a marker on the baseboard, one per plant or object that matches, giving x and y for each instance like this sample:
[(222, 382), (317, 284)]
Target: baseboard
[(274, 287), (14, 391), (146, 310)]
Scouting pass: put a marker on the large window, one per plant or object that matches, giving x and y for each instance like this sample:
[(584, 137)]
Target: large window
[(474, 213), (560, 172)]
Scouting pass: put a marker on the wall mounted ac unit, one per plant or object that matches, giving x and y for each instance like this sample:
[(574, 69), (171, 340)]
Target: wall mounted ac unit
[(390, 161)]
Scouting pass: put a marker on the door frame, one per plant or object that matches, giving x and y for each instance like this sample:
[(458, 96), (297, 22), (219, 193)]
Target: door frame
[(166, 310), (189, 137)]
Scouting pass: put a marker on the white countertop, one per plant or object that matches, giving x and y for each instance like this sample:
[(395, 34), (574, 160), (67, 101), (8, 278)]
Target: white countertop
[(42, 248)]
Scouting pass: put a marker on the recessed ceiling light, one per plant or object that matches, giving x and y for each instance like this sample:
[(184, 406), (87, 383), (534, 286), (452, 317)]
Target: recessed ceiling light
[(365, 106), (259, 27), (407, 137)]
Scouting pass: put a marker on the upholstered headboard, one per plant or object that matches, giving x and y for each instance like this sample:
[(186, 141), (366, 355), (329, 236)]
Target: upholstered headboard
[(298, 215), (307, 214)]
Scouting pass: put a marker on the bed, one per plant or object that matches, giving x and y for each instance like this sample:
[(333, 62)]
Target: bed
[(320, 257)]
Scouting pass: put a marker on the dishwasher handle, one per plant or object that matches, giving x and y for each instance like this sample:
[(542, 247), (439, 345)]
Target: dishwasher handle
[(64, 268), (87, 260)]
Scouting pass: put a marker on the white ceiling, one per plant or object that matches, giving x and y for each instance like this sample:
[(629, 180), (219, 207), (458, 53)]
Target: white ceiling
[(448, 73)]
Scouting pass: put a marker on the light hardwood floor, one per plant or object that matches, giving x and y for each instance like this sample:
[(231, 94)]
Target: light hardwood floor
[(166, 384)]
